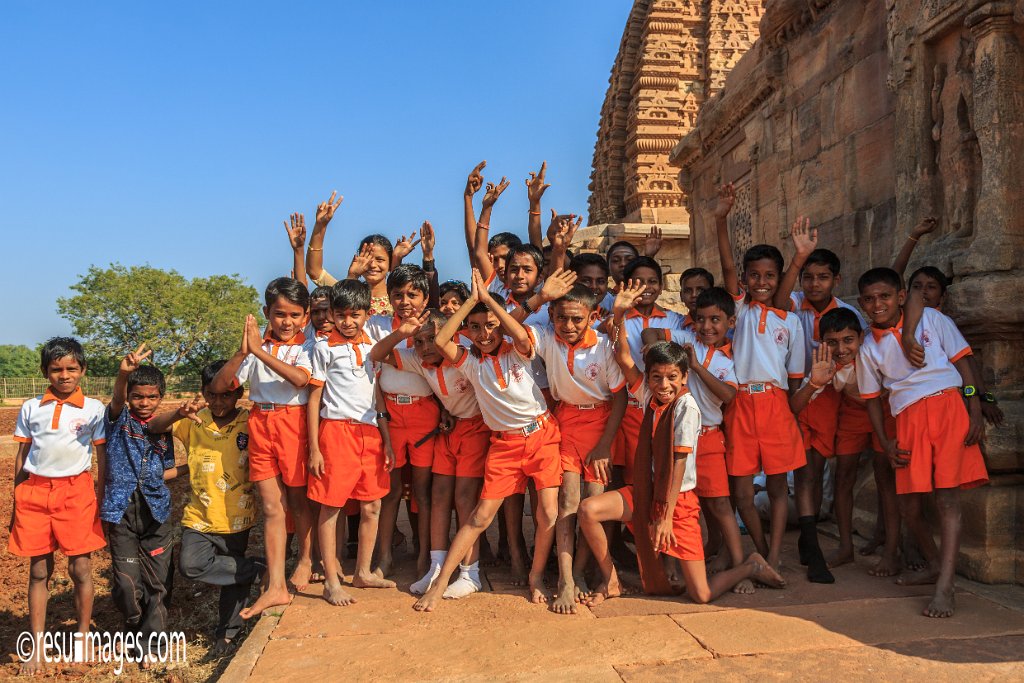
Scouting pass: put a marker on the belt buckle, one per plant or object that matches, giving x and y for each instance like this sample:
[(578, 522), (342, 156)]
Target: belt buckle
[(758, 388), (403, 400), (531, 428), (265, 406), (590, 406)]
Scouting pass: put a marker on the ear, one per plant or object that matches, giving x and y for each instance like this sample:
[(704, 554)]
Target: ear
[(901, 296), (266, 312), (732, 322), (592, 319)]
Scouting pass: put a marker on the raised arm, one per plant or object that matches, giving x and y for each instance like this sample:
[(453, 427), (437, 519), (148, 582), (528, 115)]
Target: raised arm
[(822, 372), (622, 356), (555, 287), (403, 247), (560, 234), (913, 309), (513, 328), (473, 184), (129, 364), (444, 340), (535, 188), (297, 239), (805, 240), (926, 226), (723, 390), (483, 227), (383, 351), (427, 242), (297, 376), (726, 198), (652, 245), (166, 420), (225, 377), (315, 250)]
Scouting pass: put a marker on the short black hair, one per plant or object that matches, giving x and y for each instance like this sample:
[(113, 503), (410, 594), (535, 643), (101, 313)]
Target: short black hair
[(579, 294), (290, 289), (457, 286), (932, 272), (321, 293), (209, 372), (881, 274), (759, 252), (691, 273), (529, 249), (350, 295), (504, 239), (716, 296), (56, 348), (823, 257), (839, 319), (666, 353), (546, 249), (378, 240), (147, 376), (621, 244), (436, 318), (409, 274), (481, 307), (581, 261), (642, 262)]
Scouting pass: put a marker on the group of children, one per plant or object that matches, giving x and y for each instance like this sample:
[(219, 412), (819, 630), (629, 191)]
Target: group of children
[(536, 376)]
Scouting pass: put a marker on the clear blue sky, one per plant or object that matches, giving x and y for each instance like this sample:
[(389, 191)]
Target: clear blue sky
[(181, 134)]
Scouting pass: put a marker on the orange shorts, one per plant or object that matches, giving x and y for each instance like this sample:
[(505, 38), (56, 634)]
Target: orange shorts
[(409, 424), (353, 464), (52, 513), (463, 451), (687, 543), (513, 458), (712, 476), (855, 433), (933, 430), (762, 435), (278, 445), (818, 422), (581, 430), (624, 448)]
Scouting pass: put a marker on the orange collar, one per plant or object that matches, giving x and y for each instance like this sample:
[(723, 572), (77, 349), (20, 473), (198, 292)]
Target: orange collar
[(656, 312), (335, 338), (726, 350), (503, 348), (762, 323), (589, 340), (687, 321), (268, 336), (897, 331), (808, 306), (76, 398)]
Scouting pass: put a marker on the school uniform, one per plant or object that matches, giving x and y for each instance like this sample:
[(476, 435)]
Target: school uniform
[(540, 374), (636, 323), (855, 433)]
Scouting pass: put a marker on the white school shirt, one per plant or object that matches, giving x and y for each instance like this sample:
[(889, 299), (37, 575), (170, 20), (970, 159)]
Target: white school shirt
[(580, 375), (810, 318), (344, 369), (495, 285), (61, 433), (538, 317), (718, 361), (636, 323), (265, 385), (447, 382), (884, 367), (509, 398), (768, 345), (393, 380), (685, 431)]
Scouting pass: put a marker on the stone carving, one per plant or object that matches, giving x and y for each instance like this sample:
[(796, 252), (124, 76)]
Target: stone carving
[(785, 18)]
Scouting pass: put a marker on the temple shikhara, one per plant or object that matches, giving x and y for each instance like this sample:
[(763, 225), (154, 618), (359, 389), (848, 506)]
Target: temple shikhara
[(866, 117)]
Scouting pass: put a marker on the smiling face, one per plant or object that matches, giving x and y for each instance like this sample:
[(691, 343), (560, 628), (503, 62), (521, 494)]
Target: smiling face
[(691, 288), (617, 260), (349, 322), (817, 283), (143, 400), (222, 403), (761, 279), (423, 343), (571, 320), (407, 300), (711, 325), (930, 289), (521, 275), (882, 303), (666, 382), (380, 264), (595, 279), (320, 316), (844, 344), (450, 303), (64, 375), (652, 281), (484, 330), (286, 319), (499, 257)]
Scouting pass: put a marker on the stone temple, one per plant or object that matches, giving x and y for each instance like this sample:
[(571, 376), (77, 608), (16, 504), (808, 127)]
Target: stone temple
[(865, 116)]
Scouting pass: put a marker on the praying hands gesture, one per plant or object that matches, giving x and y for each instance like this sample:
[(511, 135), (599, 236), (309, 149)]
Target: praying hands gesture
[(253, 336)]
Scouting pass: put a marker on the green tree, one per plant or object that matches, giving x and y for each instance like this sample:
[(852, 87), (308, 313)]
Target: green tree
[(18, 361), (187, 323)]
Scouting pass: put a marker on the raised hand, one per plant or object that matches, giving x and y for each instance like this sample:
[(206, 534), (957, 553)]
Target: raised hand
[(413, 324), (191, 408), (296, 231), (652, 245), (691, 356), (726, 198), (404, 246), (562, 237), (253, 337), (627, 297), (479, 289), (361, 261), (494, 191), (926, 226), (325, 210), (535, 186), (557, 285), (133, 360), (427, 240), (475, 180), (804, 238), (822, 367)]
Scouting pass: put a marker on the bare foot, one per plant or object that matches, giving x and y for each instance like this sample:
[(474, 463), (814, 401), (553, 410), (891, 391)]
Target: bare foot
[(520, 577), (336, 595), (536, 589), (840, 558), (606, 591), (428, 601), (580, 590), (269, 598), (487, 558), (301, 576), (764, 574), (720, 563), (912, 556), (872, 545), (921, 578), (887, 566), (565, 600), (942, 605), (744, 587), (385, 565), (32, 667), (371, 580)]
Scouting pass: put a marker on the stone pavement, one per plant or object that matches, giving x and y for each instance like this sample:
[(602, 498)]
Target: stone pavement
[(861, 628)]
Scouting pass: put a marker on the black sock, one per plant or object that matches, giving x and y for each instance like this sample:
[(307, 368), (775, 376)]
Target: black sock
[(810, 552)]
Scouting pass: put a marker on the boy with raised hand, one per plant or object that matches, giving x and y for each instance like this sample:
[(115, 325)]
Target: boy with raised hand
[(277, 366), (55, 502), (768, 353), (320, 324), (621, 253), (535, 189), (295, 228), (524, 438), (936, 445), (314, 266), (487, 255)]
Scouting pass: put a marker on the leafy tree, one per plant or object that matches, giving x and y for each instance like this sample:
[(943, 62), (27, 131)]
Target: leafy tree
[(187, 323), (18, 361)]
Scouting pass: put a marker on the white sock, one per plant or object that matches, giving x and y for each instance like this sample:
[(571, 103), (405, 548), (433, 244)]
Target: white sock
[(467, 583), (424, 584)]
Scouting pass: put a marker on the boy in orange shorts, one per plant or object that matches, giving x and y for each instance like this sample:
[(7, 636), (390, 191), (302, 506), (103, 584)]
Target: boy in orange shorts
[(277, 366), (459, 451), (768, 352), (936, 445), (55, 503), (414, 416), (661, 506), (524, 438)]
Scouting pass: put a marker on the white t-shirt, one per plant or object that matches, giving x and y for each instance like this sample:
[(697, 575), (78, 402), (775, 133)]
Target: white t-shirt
[(718, 362), (61, 433), (265, 385), (581, 375), (393, 380), (509, 398), (768, 345), (448, 383), (344, 369), (685, 431), (636, 323), (810, 318)]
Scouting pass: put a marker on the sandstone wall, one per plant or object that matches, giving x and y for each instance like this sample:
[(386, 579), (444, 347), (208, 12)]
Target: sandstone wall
[(866, 116)]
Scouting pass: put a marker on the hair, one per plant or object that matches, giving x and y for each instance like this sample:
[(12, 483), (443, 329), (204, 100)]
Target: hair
[(642, 262), (581, 261), (621, 244), (457, 286), (839, 319), (350, 295), (290, 289), (147, 376), (666, 353), (409, 274), (436, 318), (320, 294), (823, 257), (210, 372), (504, 239), (532, 251), (759, 252), (378, 240), (875, 275), (579, 294), (716, 296), (481, 307), (691, 273), (56, 348), (546, 249), (932, 272)]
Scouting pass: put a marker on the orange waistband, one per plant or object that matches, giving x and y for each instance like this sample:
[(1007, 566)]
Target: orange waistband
[(54, 482)]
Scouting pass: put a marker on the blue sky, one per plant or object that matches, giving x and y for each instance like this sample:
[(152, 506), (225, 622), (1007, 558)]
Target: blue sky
[(181, 134)]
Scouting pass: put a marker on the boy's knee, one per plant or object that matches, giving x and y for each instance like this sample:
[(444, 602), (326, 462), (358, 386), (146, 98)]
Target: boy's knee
[(744, 498), (370, 510), (719, 506), (587, 510), (568, 501), (40, 572), (701, 597)]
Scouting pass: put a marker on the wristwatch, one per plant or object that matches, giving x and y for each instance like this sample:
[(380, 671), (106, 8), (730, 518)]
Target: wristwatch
[(383, 416), (987, 397), (969, 391), (526, 307)]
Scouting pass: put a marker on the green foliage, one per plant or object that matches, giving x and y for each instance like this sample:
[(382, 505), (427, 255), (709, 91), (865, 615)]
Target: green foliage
[(187, 323), (18, 361)]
